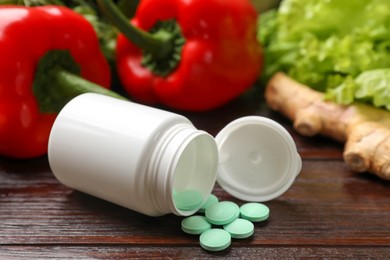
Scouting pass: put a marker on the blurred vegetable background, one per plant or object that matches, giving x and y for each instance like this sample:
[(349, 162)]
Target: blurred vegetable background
[(328, 70)]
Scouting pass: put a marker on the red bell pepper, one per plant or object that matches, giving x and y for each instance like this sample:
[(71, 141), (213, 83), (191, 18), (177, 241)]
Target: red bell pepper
[(42, 49), (187, 54)]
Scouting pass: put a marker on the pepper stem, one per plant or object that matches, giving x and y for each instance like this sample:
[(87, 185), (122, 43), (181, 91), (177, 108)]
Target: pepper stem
[(57, 81), (71, 85), (159, 45)]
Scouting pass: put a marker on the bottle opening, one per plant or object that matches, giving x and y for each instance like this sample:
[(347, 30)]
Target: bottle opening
[(195, 174)]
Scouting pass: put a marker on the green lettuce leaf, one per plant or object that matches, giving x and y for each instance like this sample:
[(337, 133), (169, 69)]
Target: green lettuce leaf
[(327, 44), (372, 86)]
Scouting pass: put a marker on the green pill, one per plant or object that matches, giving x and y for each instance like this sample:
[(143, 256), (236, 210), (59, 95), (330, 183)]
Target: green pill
[(188, 199), (240, 228), (195, 225), (215, 239), (222, 213), (254, 212), (211, 200)]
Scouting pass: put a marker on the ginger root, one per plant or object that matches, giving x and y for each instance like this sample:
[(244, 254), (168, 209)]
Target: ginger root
[(364, 128)]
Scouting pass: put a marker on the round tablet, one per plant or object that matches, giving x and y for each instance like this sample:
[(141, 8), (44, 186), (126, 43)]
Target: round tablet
[(240, 228), (195, 225), (215, 239), (254, 212), (222, 213), (188, 199), (211, 200)]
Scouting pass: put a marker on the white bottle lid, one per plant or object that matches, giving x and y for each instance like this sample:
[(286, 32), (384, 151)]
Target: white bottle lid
[(258, 159)]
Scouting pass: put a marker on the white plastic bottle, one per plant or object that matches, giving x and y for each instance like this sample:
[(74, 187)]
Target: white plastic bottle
[(156, 162), (132, 155)]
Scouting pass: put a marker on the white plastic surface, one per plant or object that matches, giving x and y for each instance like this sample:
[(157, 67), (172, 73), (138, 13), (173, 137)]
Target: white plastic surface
[(258, 159)]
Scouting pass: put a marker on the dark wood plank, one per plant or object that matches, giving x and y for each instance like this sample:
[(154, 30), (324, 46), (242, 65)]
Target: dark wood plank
[(127, 252)]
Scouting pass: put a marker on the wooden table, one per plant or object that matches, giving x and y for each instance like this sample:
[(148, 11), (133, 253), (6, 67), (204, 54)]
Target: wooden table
[(329, 212)]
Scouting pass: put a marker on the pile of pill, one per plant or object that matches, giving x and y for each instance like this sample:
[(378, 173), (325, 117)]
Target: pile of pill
[(223, 221)]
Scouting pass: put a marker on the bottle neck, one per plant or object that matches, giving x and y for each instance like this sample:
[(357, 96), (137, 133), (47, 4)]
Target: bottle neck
[(183, 158)]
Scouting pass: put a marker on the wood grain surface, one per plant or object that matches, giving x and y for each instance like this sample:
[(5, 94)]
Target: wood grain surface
[(328, 213)]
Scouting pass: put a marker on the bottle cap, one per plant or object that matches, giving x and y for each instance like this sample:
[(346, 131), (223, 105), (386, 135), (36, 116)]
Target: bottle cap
[(258, 159)]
